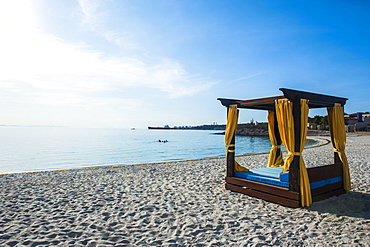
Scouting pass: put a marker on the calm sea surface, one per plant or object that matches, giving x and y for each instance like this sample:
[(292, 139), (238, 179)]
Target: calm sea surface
[(51, 148)]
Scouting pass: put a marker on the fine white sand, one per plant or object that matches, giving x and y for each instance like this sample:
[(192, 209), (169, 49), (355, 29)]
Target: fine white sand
[(177, 204)]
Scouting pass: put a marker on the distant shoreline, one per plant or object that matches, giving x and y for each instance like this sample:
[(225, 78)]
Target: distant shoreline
[(203, 127)]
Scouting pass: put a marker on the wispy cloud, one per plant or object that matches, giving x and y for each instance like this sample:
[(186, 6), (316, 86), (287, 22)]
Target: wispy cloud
[(246, 77), (163, 74), (89, 12)]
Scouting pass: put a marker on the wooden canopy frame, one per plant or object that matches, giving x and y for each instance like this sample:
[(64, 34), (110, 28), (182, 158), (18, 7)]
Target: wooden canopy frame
[(288, 197)]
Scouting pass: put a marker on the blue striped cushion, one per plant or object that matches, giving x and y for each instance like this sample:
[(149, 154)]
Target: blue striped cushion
[(273, 176), (267, 175)]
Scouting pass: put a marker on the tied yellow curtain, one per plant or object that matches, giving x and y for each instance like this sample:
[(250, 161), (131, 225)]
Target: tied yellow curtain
[(274, 159), (284, 114), (304, 182), (232, 123), (338, 137)]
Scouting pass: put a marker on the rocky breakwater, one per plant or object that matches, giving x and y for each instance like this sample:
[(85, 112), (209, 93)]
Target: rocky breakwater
[(263, 131), (252, 131)]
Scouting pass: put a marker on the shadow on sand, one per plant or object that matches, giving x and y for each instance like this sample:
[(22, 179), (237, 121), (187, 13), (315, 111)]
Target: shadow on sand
[(352, 204)]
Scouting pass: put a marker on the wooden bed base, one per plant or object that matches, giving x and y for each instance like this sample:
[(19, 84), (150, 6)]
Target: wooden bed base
[(285, 196)]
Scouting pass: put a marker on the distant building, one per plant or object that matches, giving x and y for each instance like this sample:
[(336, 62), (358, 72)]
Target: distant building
[(357, 118), (312, 126), (359, 121), (366, 117)]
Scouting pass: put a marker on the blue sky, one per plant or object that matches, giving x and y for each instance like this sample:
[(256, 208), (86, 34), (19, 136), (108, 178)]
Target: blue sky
[(124, 64)]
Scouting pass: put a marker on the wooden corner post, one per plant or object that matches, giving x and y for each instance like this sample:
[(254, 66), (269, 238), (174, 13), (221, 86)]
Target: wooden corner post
[(230, 160), (337, 159), (230, 156), (294, 166), (277, 135)]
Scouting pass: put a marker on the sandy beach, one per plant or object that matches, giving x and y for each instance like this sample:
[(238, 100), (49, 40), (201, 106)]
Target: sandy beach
[(179, 204)]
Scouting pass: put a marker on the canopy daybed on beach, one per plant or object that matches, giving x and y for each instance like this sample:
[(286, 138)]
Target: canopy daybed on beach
[(289, 182)]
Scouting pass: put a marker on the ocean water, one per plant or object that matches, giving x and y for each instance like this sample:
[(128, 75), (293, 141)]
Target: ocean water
[(25, 149)]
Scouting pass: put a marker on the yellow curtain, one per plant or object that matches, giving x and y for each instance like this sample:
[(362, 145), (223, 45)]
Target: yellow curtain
[(338, 137), (304, 182), (232, 123), (284, 113), (273, 160)]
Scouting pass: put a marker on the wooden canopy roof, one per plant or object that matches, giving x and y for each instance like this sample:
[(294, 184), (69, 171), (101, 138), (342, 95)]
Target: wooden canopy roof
[(315, 100)]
